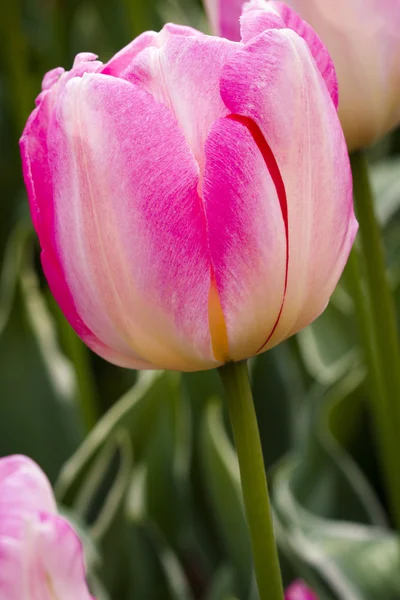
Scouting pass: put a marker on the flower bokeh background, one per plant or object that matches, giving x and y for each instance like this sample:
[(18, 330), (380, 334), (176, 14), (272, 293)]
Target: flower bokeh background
[(143, 464)]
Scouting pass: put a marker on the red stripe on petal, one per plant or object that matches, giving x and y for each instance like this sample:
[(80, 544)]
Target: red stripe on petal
[(276, 176)]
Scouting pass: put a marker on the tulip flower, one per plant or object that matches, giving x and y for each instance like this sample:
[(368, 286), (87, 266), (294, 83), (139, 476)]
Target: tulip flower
[(299, 591), (363, 39), (192, 196), (40, 554)]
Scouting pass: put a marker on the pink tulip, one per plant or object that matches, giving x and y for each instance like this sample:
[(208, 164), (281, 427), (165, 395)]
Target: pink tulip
[(363, 38), (299, 591), (192, 196), (40, 554)]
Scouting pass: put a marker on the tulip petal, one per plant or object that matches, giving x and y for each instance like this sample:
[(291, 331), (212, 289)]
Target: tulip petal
[(184, 75), (130, 224), (41, 558), (120, 61), (364, 42), (224, 17), (39, 185), (24, 486), (259, 16), (246, 233), (299, 591), (274, 81)]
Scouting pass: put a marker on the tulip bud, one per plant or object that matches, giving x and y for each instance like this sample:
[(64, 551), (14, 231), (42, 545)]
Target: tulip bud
[(363, 39), (40, 554), (192, 196), (299, 591)]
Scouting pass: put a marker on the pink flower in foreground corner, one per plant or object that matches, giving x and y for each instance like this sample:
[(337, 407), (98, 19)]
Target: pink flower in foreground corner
[(192, 196), (363, 38), (40, 554), (299, 591)]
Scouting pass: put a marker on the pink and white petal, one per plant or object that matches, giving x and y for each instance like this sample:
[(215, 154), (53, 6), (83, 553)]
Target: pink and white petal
[(24, 487), (120, 61), (62, 294), (39, 184), (259, 16), (51, 77), (129, 223), (299, 591), (224, 17), (246, 233), (184, 75), (318, 50), (35, 169), (274, 81), (41, 558)]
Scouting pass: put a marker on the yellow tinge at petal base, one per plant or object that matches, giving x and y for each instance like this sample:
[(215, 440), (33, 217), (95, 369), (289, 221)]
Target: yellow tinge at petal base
[(216, 320)]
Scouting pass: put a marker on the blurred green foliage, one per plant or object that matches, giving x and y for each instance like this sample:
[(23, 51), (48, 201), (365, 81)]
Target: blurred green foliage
[(144, 463)]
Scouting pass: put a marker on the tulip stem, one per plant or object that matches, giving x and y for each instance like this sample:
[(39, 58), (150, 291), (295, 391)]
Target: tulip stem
[(235, 378), (381, 334)]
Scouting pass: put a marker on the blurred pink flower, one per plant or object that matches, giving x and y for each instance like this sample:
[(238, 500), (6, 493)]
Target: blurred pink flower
[(192, 196), (363, 38), (40, 554), (299, 591)]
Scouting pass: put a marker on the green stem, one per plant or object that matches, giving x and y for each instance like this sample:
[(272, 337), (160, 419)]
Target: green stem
[(254, 483), (380, 333)]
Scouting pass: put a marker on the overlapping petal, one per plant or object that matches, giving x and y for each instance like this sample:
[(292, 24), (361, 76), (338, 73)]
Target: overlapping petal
[(299, 591), (273, 80), (41, 556), (224, 17), (130, 224), (246, 232), (38, 179), (20, 473), (363, 39), (122, 59), (260, 15), (184, 74)]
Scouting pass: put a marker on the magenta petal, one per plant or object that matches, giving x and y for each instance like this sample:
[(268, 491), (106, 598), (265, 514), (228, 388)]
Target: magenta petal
[(246, 234), (121, 61), (184, 74), (224, 17), (39, 184), (259, 16), (40, 557), (23, 486), (275, 82), (129, 223), (299, 591), (317, 48)]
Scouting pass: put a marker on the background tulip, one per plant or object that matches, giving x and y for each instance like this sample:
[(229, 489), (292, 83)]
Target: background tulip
[(40, 554), (363, 38), (192, 196), (299, 591)]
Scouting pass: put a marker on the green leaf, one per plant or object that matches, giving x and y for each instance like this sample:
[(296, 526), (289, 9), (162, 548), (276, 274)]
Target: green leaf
[(37, 411), (328, 346), (328, 481), (386, 185), (352, 561), (135, 413)]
